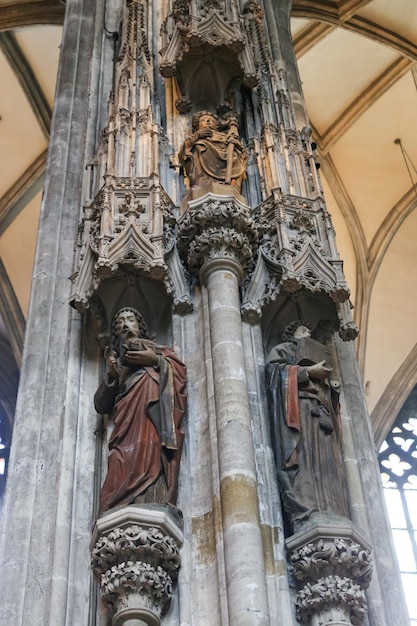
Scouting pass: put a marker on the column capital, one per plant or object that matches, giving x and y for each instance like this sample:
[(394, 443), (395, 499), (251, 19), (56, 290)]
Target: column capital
[(332, 567), (217, 227), (135, 558)]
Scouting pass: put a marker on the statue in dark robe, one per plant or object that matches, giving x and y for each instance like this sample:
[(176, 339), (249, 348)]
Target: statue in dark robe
[(214, 152), (144, 390), (306, 426)]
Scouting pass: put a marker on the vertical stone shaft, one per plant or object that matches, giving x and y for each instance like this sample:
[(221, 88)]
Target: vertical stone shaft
[(46, 518), (385, 597), (246, 593)]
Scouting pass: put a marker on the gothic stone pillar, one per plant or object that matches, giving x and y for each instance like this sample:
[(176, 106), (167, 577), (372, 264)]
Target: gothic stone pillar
[(46, 522), (216, 235)]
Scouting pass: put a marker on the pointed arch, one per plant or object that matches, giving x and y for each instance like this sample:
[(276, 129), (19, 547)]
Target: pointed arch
[(394, 396), (322, 12), (30, 13), (387, 231)]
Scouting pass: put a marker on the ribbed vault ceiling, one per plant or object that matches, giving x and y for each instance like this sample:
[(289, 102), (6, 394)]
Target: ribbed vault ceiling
[(358, 65)]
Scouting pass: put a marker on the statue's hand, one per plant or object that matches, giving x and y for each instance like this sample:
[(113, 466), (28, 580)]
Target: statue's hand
[(141, 357), (319, 370), (111, 363)]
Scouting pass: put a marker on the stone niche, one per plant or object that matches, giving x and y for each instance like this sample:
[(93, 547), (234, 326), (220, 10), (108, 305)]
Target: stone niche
[(206, 50)]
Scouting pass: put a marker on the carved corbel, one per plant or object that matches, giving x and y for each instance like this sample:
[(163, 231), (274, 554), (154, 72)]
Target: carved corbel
[(216, 227), (135, 559), (332, 567)]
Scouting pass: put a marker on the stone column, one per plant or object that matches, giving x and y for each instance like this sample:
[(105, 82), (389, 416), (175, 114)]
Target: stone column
[(216, 234), (135, 558), (46, 523)]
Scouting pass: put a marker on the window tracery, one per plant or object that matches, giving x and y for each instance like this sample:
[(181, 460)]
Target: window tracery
[(398, 462)]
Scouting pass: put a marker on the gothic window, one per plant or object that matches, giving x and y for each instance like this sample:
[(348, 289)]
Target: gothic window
[(5, 436), (9, 379), (398, 462)]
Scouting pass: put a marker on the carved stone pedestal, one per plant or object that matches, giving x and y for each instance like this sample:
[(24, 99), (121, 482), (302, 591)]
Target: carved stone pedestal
[(135, 558), (332, 567)]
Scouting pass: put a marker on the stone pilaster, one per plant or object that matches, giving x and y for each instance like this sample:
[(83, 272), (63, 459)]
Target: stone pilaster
[(46, 519), (135, 558), (332, 567)]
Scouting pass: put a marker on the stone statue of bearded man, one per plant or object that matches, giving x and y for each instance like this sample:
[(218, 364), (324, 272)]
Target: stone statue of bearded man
[(144, 391)]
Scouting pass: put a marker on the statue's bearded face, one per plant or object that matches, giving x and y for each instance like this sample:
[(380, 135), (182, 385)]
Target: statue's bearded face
[(126, 321)]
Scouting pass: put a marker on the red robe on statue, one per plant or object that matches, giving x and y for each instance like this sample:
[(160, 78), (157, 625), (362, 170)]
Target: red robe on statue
[(146, 443)]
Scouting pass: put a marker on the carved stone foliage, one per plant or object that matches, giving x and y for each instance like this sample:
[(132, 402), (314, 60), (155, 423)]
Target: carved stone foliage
[(297, 251), (216, 228), (332, 568), (338, 555), (331, 600), (211, 32), (136, 563)]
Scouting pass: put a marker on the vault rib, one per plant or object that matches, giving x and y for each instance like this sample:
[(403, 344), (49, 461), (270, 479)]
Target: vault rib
[(310, 36), (358, 25), (30, 13), (364, 101), (12, 202), (27, 80), (393, 397), (387, 231), (12, 315)]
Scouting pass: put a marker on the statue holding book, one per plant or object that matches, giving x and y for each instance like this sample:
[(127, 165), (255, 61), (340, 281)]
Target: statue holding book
[(305, 425)]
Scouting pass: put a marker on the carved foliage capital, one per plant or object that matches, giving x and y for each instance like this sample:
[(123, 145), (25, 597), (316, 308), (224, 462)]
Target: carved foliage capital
[(332, 598), (217, 229), (331, 574), (135, 542), (133, 561), (334, 555), (131, 578)]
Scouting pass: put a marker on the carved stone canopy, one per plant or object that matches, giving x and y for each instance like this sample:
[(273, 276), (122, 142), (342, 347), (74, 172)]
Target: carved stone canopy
[(206, 52), (128, 230), (297, 252)]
